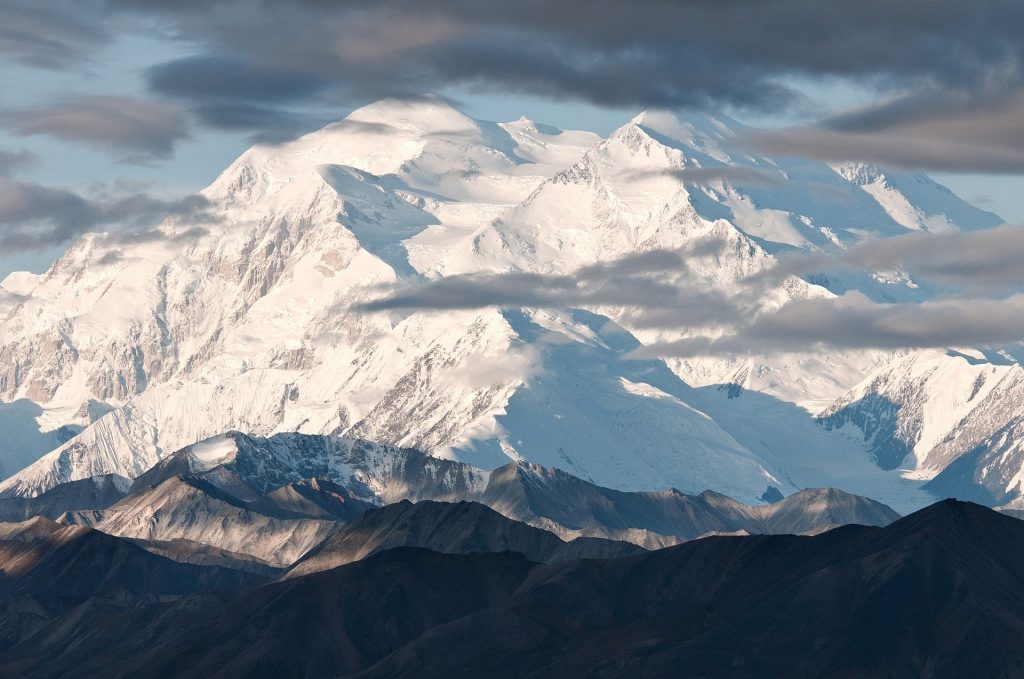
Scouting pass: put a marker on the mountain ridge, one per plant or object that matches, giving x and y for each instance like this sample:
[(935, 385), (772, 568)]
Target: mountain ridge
[(939, 591), (243, 494)]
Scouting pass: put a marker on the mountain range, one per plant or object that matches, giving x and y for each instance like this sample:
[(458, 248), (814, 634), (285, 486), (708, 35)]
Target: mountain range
[(250, 316), (937, 593), (274, 501), (129, 566)]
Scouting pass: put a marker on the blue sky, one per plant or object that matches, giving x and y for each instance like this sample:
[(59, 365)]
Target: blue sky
[(120, 69)]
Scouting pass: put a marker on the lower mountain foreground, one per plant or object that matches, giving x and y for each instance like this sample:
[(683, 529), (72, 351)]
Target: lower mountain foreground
[(939, 593)]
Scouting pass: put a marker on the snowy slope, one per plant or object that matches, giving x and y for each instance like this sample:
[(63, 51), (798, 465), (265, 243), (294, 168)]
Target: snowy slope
[(952, 417), (247, 324)]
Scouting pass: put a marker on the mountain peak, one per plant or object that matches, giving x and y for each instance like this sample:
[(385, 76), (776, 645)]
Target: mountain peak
[(686, 126), (214, 451), (425, 114), (953, 512)]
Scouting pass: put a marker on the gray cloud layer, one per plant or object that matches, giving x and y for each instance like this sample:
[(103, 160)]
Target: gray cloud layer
[(33, 216), (854, 322), (701, 176), (230, 94), (55, 34), (143, 129), (12, 162), (652, 282), (607, 51), (659, 292), (258, 62), (986, 261), (939, 132)]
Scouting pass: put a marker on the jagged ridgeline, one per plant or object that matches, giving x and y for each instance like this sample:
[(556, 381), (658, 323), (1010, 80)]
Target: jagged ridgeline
[(315, 499)]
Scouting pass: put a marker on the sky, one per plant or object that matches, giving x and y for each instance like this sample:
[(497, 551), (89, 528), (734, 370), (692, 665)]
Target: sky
[(115, 111)]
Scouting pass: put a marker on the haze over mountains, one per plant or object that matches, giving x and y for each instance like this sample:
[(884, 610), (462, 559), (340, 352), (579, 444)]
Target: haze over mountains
[(252, 316)]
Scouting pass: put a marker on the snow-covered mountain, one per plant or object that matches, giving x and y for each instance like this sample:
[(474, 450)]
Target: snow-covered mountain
[(953, 417), (247, 321)]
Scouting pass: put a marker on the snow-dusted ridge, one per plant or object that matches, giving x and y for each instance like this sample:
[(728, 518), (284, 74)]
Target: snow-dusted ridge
[(148, 347), (277, 498)]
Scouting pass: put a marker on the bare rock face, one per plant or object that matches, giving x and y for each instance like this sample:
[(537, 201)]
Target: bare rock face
[(270, 499), (450, 528)]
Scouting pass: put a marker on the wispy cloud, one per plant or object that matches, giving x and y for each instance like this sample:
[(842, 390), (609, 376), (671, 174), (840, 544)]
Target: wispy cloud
[(855, 322), (54, 35), (983, 305), (960, 131), (987, 261), (702, 176), (140, 128), (33, 216), (656, 286), (12, 162)]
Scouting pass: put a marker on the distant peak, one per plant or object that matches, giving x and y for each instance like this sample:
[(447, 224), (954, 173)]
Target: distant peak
[(968, 516)]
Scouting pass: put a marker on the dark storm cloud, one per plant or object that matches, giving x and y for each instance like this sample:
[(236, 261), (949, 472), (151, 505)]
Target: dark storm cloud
[(125, 125), (33, 216)]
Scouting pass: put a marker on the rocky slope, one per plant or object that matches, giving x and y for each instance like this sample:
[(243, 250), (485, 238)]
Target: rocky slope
[(570, 507), (950, 417), (97, 492), (249, 496), (449, 528)]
